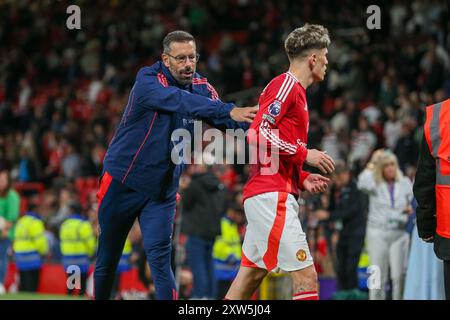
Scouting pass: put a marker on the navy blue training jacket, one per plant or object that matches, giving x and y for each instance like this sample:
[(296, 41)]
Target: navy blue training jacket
[(139, 154)]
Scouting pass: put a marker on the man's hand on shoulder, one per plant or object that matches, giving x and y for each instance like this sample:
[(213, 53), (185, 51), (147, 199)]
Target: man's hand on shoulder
[(246, 114)]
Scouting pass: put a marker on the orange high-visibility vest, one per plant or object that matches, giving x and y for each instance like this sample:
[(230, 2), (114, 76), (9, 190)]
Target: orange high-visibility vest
[(437, 134)]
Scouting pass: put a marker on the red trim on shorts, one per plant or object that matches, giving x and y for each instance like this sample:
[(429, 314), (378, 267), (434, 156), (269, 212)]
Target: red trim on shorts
[(273, 244), (245, 262), (104, 185)]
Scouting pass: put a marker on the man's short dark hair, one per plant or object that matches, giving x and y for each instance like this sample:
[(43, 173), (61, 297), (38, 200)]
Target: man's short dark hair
[(176, 36)]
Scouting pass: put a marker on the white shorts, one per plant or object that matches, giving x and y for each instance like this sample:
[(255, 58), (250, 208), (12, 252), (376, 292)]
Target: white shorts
[(274, 235)]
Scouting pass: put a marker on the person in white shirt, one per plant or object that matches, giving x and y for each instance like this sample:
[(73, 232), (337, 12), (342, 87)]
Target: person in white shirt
[(363, 142), (390, 195)]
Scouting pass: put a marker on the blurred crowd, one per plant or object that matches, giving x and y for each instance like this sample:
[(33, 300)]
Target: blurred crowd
[(62, 93)]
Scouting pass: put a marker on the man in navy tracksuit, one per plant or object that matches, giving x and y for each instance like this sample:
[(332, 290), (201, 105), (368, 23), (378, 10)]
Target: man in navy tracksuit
[(139, 178)]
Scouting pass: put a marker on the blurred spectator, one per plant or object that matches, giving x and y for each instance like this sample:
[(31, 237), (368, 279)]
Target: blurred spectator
[(204, 204), (406, 149), (30, 247), (392, 129), (71, 163), (9, 212), (331, 143), (227, 251), (363, 142), (66, 196), (78, 244), (390, 196), (26, 169), (346, 209)]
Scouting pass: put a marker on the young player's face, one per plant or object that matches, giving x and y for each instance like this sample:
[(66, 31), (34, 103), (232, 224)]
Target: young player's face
[(181, 60), (319, 64)]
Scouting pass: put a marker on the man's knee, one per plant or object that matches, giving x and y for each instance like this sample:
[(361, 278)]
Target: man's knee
[(159, 255)]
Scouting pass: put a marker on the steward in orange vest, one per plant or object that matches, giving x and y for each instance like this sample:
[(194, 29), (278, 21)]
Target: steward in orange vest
[(432, 184)]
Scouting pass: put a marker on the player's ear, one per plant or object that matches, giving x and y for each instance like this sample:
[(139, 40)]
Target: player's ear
[(312, 59), (165, 59)]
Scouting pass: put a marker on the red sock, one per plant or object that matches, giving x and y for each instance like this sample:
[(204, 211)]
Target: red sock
[(306, 295)]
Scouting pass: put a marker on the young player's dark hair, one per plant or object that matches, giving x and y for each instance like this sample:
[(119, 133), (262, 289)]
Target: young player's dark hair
[(301, 40)]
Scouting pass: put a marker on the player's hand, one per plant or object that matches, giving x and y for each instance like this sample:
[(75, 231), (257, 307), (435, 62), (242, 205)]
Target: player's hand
[(429, 239), (320, 160), (246, 114), (315, 183)]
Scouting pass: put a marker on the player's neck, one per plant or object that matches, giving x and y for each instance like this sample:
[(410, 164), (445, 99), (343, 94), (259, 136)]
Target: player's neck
[(302, 73)]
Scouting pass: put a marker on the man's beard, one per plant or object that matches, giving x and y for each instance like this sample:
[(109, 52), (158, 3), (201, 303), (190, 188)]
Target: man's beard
[(185, 75)]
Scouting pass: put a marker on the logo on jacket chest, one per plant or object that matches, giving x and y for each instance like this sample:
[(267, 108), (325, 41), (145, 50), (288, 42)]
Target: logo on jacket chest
[(188, 121)]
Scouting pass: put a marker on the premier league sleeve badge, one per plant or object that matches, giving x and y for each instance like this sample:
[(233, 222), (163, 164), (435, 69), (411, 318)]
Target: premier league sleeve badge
[(275, 108)]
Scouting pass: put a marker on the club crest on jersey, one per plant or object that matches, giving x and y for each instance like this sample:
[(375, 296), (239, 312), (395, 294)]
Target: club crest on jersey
[(301, 255), (275, 108)]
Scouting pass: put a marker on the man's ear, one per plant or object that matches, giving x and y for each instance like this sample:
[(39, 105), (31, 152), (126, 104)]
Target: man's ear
[(313, 59), (165, 59)]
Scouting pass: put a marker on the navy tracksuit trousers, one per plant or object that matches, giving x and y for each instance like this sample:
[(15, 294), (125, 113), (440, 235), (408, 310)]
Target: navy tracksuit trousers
[(119, 206)]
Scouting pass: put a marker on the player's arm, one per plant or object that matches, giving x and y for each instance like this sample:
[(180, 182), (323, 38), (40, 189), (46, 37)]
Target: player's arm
[(303, 175), (225, 122), (275, 103), (152, 94), (424, 191), (279, 100)]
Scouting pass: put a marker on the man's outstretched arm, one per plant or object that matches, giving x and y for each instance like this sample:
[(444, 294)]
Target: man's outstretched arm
[(152, 94)]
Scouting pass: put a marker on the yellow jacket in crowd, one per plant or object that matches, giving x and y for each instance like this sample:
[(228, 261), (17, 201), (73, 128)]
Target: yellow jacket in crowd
[(30, 243)]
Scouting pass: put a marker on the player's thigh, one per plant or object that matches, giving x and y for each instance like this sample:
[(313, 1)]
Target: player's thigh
[(250, 276), (293, 253), (156, 222), (260, 212), (118, 209)]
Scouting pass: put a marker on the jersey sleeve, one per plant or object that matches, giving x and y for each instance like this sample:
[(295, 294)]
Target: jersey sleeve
[(301, 177), (153, 94), (278, 97)]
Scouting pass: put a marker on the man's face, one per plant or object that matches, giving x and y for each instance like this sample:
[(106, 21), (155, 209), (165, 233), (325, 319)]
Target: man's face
[(319, 62), (181, 61)]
